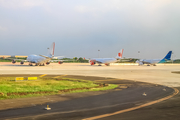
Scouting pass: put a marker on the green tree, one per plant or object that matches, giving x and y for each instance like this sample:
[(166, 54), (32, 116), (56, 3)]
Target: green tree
[(75, 58)]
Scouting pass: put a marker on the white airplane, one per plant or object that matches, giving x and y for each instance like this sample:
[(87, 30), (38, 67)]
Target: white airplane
[(40, 60), (106, 61), (155, 61)]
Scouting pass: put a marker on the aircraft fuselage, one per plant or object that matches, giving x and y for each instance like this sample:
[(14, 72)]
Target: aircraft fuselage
[(37, 59)]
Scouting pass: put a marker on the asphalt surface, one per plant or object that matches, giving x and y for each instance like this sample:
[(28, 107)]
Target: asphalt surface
[(128, 94), (165, 110)]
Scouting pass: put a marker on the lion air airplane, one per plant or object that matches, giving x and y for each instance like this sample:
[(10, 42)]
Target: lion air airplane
[(40, 60), (106, 61), (155, 61)]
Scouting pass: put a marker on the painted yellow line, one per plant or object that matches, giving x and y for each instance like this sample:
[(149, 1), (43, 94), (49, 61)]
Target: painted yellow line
[(134, 108), (60, 76), (108, 79), (19, 78), (32, 78), (43, 75)]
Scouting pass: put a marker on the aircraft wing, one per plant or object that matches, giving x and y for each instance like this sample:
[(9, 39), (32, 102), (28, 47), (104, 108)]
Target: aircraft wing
[(58, 57), (99, 61), (61, 60), (15, 59), (21, 60), (45, 56), (145, 62)]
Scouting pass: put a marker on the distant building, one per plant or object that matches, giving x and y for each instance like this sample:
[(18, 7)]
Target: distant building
[(6, 56)]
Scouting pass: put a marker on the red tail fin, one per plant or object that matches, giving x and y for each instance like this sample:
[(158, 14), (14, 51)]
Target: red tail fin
[(120, 53)]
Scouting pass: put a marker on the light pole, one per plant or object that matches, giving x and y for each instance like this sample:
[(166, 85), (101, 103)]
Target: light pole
[(139, 55), (98, 53), (48, 51), (172, 57)]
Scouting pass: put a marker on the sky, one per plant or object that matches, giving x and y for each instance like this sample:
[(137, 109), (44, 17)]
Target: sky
[(80, 28)]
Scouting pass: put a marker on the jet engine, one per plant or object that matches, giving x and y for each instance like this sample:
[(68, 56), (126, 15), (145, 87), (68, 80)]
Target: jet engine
[(92, 62), (13, 61), (22, 62), (60, 62), (139, 62)]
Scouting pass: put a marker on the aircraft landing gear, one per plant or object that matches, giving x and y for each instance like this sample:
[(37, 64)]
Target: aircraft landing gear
[(30, 64), (41, 64), (36, 64)]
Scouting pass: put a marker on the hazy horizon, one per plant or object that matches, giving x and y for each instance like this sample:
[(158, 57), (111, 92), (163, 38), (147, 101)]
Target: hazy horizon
[(80, 28)]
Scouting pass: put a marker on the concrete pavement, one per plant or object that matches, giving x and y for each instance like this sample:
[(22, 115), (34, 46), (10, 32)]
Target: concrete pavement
[(160, 74)]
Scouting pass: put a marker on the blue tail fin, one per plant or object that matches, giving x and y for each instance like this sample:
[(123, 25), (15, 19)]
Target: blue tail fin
[(167, 57)]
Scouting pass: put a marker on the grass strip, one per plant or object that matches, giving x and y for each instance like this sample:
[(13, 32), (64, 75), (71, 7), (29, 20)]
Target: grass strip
[(46, 86)]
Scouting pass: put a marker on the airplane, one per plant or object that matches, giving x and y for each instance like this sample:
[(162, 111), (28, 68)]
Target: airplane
[(155, 61), (106, 61), (40, 60)]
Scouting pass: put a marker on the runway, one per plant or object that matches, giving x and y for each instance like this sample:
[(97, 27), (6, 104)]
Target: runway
[(104, 105)]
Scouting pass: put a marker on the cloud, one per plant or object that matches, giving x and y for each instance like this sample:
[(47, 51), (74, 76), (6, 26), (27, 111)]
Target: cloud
[(16, 4), (3, 28), (101, 24)]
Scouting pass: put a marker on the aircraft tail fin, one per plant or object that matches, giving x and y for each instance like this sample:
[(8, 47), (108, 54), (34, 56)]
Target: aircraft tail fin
[(167, 57), (51, 50), (120, 53)]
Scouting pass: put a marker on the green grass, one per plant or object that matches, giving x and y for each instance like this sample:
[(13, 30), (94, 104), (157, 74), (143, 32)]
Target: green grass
[(111, 86), (9, 88), (2, 60)]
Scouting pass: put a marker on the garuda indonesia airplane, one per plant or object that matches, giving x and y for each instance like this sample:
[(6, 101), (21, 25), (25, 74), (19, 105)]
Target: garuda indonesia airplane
[(155, 61)]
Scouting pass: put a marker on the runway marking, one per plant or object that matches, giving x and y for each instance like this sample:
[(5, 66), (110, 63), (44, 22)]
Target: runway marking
[(176, 91), (108, 79), (43, 75), (60, 76)]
